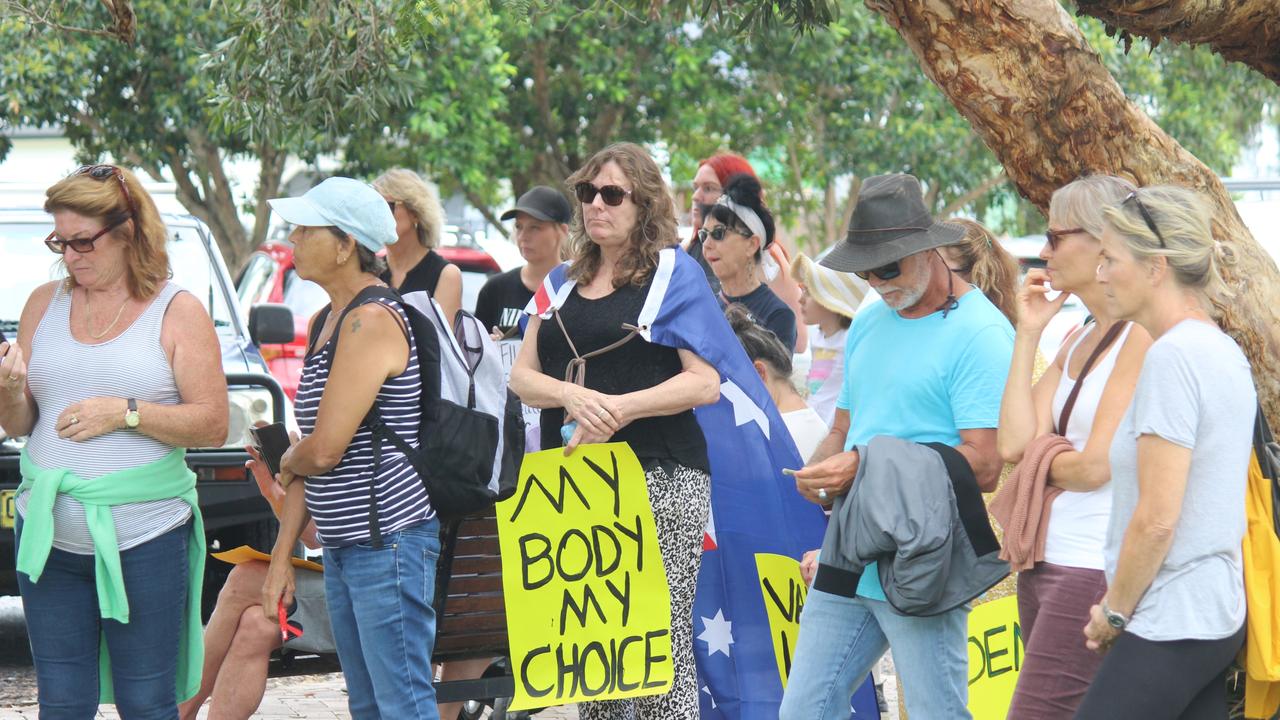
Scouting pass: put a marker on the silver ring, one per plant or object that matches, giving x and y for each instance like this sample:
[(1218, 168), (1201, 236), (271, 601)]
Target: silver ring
[(822, 493), (74, 419), (602, 413)]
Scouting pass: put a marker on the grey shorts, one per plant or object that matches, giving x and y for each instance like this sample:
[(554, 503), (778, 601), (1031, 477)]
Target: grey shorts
[(312, 614)]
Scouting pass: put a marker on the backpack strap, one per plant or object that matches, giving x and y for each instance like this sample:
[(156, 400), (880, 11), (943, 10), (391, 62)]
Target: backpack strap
[(1112, 333)]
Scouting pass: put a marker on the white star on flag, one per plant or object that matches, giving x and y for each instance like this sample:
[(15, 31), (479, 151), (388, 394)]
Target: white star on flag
[(717, 633), (745, 409), (707, 690)]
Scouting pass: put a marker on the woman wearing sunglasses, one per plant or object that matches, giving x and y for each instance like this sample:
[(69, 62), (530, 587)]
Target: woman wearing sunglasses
[(115, 371), (1055, 594), (1172, 619), (734, 235), (632, 390), (412, 261)]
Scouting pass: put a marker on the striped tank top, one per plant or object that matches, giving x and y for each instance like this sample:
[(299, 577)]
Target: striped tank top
[(339, 499), (64, 371)]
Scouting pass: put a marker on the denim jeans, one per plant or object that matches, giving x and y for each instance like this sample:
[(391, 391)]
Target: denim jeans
[(841, 638), (383, 624), (64, 627)]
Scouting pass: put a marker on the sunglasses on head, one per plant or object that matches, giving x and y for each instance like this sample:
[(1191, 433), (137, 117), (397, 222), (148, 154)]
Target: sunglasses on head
[(80, 245), (1146, 216), (101, 173), (612, 194), (1055, 236), (718, 232), (884, 272)]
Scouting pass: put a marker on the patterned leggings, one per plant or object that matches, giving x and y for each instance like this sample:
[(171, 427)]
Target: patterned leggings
[(681, 499)]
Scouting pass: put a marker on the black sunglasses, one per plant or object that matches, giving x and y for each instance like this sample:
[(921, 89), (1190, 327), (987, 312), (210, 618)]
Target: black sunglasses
[(1146, 216), (392, 205), (884, 272), (612, 194), (101, 173), (80, 245), (718, 232)]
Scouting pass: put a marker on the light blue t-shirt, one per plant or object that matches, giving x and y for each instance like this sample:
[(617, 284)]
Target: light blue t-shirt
[(924, 379)]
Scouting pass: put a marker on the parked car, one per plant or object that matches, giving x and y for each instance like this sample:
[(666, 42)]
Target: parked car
[(234, 511), (268, 277)]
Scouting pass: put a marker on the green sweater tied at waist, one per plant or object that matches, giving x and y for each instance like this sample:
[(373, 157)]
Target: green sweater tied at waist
[(168, 477)]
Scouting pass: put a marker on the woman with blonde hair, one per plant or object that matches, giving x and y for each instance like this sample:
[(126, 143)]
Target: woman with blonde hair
[(1173, 616), (631, 390), (412, 261), (1080, 397), (116, 371), (980, 260)]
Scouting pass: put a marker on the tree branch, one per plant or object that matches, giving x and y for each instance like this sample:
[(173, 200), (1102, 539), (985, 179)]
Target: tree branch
[(123, 28), (973, 194)]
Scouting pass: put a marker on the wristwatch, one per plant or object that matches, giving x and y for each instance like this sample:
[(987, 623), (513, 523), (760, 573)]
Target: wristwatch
[(1114, 619), (131, 418)]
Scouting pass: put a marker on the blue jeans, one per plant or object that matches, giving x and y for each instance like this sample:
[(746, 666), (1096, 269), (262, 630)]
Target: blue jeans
[(841, 638), (64, 627), (383, 624)]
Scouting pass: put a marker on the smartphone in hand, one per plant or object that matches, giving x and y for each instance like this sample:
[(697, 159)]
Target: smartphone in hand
[(271, 440)]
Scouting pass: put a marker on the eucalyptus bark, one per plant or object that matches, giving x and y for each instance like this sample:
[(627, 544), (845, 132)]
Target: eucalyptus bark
[(1246, 31), (1022, 74)]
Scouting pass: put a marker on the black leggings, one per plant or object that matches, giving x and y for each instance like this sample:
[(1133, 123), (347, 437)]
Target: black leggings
[(1177, 679)]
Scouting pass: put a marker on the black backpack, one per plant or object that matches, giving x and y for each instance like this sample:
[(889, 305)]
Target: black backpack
[(472, 433)]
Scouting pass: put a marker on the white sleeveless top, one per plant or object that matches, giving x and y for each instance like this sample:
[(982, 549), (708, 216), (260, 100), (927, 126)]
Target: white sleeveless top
[(1078, 522), (63, 371)]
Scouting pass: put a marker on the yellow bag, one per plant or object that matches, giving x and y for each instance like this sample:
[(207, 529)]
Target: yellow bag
[(1261, 654)]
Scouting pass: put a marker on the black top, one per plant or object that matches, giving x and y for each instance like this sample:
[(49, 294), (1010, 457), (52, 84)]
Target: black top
[(424, 276), (769, 312), (502, 300), (695, 252), (637, 365)]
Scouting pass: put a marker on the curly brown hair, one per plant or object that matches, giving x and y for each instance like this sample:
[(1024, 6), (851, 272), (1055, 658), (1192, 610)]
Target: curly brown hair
[(655, 226)]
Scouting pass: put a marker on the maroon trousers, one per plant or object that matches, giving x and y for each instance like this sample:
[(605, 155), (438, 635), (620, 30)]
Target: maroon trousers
[(1053, 608)]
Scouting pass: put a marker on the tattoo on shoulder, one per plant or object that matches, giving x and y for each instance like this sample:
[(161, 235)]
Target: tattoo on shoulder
[(355, 325)]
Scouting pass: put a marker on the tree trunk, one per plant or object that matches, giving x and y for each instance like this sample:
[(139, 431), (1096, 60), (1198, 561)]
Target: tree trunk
[(1023, 75), (1246, 31)]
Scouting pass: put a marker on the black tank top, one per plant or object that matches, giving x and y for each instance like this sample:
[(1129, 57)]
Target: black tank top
[(424, 276), (637, 365)]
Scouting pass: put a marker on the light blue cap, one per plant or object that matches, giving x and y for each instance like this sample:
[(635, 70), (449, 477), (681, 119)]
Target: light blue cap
[(354, 207)]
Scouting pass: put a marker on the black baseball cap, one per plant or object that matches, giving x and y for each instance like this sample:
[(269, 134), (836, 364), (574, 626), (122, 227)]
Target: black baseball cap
[(544, 203)]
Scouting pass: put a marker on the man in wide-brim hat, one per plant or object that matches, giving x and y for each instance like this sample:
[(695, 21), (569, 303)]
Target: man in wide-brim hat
[(928, 365)]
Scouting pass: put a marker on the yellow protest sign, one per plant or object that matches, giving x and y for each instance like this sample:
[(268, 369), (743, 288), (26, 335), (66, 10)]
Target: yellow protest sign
[(783, 589), (588, 607), (995, 656)]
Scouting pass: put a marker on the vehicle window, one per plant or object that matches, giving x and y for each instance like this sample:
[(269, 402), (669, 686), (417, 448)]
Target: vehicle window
[(254, 285), (471, 284), (29, 264), (303, 297)]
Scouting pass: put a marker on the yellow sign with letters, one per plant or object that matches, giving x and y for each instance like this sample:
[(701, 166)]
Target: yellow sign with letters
[(996, 655), (588, 607), (783, 589)]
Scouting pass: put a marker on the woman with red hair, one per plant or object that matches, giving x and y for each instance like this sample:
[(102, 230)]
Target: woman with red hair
[(708, 186)]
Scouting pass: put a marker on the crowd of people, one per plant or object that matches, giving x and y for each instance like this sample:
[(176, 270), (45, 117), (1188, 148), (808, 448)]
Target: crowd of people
[(1123, 515)]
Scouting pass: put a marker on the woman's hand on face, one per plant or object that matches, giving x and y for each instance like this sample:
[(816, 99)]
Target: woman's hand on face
[(1035, 310), (91, 418), (13, 370), (595, 413), (277, 588)]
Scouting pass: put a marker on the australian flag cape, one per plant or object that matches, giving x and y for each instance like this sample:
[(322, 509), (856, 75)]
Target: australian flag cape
[(755, 509)]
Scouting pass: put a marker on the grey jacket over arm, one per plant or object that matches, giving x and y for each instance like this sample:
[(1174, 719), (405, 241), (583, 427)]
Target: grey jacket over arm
[(917, 510)]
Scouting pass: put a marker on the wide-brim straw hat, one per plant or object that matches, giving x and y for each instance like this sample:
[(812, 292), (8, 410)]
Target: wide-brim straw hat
[(889, 223), (841, 293)]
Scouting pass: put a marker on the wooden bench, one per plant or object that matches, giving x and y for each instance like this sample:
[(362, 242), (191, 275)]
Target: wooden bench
[(471, 620)]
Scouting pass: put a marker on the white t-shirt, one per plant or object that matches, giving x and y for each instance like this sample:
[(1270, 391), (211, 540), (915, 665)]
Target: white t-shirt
[(807, 430), (826, 372)]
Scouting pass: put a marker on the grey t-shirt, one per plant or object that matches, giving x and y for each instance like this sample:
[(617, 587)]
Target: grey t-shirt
[(1195, 391)]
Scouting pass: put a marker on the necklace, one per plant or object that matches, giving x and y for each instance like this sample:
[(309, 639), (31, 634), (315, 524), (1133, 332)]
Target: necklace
[(88, 306)]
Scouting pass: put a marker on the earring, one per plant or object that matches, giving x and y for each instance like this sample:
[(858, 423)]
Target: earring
[(342, 260)]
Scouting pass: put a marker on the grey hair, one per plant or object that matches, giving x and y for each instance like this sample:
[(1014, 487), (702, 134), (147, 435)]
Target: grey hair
[(422, 199), (1184, 222), (1079, 203)]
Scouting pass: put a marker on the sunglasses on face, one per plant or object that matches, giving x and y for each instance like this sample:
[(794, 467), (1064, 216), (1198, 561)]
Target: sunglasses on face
[(392, 205), (718, 232), (80, 245), (1055, 236), (884, 272), (612, 194), (1146, 216)]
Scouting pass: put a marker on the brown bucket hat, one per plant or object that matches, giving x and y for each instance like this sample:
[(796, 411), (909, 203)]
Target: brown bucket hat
[(889, 223)]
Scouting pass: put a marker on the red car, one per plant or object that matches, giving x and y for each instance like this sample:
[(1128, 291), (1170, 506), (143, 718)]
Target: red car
[(268, 277)]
